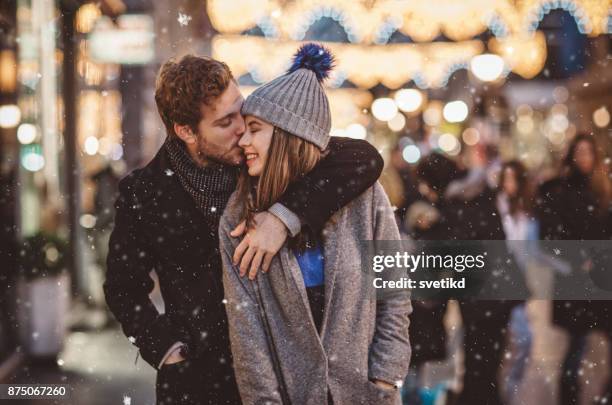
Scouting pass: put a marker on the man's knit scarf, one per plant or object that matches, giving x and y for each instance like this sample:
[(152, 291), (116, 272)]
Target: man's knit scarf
[(210, 186)]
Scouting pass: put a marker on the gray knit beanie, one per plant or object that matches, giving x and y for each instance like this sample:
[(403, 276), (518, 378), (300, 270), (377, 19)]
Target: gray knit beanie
[(296, 101)]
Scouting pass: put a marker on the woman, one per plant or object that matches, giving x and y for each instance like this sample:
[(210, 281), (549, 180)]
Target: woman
[(576, 206), (309, 331), (514, 202)]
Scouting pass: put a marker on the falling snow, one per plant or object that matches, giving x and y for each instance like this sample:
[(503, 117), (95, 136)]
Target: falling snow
[(183, 19)]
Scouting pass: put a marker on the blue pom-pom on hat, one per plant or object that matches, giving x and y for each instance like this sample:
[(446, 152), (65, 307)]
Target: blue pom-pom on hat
[(313, 57)]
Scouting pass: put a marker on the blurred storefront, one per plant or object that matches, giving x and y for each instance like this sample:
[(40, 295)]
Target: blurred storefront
[(71, 121), (9, 116)]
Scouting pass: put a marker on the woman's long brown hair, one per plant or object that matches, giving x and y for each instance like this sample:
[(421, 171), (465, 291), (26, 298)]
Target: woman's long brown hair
[(523, 200), (599, 180), (289, 158)]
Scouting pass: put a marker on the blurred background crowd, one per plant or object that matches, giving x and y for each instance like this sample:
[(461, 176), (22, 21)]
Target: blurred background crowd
[(493, 117)]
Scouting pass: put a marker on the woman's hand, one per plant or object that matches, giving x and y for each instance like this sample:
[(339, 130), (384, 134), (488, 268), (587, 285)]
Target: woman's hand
[(260, 244)]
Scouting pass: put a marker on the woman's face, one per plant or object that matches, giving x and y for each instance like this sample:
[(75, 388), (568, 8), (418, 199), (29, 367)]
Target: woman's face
[(584, 157), (255, 143), (510, 185)]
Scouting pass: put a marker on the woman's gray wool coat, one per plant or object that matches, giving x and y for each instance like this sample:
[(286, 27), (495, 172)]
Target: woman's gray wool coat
[(362, 338)]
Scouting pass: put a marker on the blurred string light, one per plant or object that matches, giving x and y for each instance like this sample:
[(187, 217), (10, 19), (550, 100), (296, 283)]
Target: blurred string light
[(525, 124), (559, 109), (10, 115), (116, 152), (471, 136), (455, 111), (86, 17), (558, 120), (448, 142), (408, 100), (487, 67), (523, 55), (456, 150), (356, 131), (556, 138), (337, 132), (91, 145), (560, 94), (384, 109), (601, 117), (411, 153), (397, 123), (8, 71), (87, 221), (433, 113), (559, 123), (26, 134), (31, 158)]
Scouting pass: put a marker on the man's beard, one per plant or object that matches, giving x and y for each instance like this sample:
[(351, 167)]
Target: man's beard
[(208, 153)]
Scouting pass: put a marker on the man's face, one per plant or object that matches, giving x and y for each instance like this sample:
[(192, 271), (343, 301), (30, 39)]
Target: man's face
[(220, 130)]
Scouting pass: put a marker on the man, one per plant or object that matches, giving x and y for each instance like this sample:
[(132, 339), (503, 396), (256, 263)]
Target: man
[(167, 220)]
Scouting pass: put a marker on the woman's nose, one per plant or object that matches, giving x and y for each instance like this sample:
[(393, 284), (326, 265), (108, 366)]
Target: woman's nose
[(245, 139)]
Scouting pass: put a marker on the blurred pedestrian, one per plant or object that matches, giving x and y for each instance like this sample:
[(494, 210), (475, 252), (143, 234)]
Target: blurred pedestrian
[(514, 203), (576, 206), (471, 217)]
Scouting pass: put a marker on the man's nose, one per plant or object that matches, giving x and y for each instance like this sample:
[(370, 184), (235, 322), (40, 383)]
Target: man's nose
[(240, 130)]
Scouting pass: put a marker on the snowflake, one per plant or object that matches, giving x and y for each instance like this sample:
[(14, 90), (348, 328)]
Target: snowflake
[(183, 19), (557, 251), (213, 209), (132, 339), (169, 172), (127, 400)]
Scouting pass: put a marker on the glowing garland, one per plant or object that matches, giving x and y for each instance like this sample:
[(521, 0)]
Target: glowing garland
[(392, 65), (428, 65), (373, 21)]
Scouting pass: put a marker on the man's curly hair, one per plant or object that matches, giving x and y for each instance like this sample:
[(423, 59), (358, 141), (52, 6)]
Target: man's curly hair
[(182, 87)]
